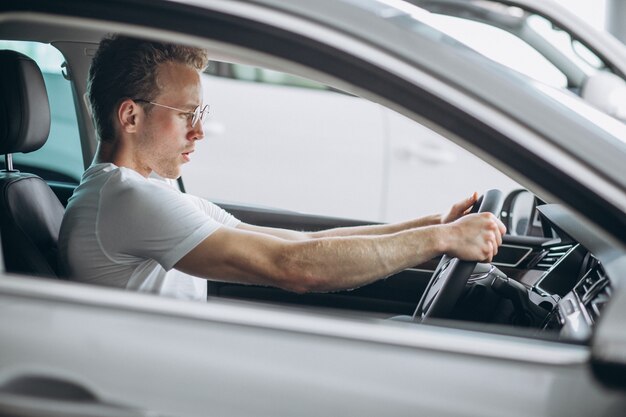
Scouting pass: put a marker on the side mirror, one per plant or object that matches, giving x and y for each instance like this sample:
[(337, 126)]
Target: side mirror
[(519, 214), (606, 92)]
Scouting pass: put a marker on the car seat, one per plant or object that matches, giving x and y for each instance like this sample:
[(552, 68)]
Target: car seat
[(30, 212)]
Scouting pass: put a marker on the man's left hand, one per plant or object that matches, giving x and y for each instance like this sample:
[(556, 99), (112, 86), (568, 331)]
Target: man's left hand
[(460, 209)]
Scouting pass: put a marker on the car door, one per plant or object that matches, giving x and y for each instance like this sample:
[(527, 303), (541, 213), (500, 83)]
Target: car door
[(109, 352)]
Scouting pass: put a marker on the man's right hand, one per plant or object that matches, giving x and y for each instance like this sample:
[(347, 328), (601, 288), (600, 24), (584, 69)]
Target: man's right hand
[(474, 237)]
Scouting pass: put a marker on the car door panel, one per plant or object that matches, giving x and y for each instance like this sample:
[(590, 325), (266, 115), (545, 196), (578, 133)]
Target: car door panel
[(194, 359), (396, 295)]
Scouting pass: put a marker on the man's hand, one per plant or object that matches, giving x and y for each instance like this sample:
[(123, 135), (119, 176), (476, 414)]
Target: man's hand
[(460, 209), (475, 237)]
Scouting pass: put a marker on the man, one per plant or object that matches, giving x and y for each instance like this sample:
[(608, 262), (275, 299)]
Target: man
[(124, 229)]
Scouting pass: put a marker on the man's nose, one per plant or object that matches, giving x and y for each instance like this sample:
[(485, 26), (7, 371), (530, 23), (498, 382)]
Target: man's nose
[(197, 132)]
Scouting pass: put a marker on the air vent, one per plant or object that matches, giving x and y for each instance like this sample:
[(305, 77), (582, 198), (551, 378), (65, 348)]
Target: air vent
[(552, 255), (594, 291)]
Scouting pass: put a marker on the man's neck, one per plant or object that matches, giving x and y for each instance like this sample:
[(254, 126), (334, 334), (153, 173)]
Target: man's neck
[(112, 152)]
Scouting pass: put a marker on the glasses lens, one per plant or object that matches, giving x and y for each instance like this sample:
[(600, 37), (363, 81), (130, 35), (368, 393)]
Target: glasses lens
[(199, 114), (195, 117)]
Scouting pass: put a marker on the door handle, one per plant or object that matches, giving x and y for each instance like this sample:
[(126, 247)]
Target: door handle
[(39, 396)]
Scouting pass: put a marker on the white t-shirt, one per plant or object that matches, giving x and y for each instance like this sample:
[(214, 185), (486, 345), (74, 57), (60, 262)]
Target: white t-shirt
[(123, 230)]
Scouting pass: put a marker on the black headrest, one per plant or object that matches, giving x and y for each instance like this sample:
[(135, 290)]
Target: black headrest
[(24, 108)]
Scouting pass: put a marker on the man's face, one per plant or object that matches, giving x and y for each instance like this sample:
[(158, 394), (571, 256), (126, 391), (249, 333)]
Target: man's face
[(167, 138)]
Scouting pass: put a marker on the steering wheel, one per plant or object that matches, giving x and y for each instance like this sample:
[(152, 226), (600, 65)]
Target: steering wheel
[(449, 279)]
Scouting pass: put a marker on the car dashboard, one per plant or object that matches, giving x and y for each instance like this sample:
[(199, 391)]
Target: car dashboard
[(566, 277), (582, 288)]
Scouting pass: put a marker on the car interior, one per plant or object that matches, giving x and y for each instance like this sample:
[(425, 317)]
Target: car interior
[(31, 212), (546, 278)]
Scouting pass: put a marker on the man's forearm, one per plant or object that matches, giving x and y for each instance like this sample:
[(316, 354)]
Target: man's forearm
[(346, 262), (321, 264), (367, 230), (378, 229)]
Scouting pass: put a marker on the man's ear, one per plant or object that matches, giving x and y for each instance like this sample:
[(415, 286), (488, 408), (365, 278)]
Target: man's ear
[(128, 115)]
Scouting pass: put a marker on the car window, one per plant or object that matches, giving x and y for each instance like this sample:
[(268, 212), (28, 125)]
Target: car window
[(60, 159), (575, 50), (517, 38), (260, 75), (280, 145), (509, 50), (311, 150)]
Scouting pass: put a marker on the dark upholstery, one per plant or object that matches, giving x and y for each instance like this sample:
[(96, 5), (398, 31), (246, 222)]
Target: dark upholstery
[(24, 108), (31, 220), (30, 213)]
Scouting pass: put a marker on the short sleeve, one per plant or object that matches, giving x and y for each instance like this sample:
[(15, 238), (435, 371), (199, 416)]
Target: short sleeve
[(139, 218), (214, 211)]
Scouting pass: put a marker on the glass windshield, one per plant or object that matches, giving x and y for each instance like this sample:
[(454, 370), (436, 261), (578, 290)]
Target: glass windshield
[(415, 19)]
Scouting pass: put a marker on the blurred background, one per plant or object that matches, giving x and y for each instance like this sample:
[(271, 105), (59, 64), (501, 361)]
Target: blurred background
[(607, 15)]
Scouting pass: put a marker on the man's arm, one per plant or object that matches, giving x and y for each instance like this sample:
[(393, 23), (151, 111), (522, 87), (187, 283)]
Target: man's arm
[(334, 263), (455, 212), (367, 230)]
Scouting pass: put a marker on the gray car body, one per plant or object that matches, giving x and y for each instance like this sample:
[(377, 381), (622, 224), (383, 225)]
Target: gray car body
[(240, 359)]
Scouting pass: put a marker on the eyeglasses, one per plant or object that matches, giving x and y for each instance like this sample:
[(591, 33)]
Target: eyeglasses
[(198, 114)]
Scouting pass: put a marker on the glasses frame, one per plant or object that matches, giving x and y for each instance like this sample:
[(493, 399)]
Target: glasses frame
[(198, 114)]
